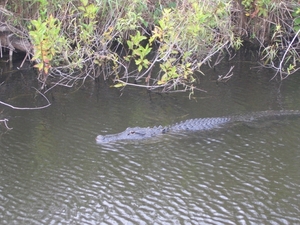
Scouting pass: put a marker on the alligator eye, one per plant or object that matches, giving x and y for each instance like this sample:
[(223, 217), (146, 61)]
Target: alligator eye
[(131, 132), (165, 130)]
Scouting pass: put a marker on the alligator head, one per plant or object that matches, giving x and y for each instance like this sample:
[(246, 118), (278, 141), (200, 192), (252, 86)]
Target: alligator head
[(132, 133)]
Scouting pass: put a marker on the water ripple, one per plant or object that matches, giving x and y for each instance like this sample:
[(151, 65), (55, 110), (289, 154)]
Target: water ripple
[(241, 176)]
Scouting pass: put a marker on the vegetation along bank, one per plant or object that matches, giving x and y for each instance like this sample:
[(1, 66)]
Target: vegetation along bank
[(153, 44)]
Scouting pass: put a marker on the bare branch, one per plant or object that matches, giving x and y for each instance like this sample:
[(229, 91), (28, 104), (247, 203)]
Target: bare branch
[(4, 121), (285, 53), (227, 76), (28, 108)]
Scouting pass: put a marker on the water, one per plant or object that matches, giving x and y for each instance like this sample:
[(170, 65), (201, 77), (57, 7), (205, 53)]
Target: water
[(53, 172)]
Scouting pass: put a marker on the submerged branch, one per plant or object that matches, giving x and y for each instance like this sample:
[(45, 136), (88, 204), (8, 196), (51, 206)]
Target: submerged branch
[(227, 76), (4, 121), (29, 108)]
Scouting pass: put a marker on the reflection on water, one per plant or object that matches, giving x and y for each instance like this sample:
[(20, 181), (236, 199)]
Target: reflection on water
[(53, 172)]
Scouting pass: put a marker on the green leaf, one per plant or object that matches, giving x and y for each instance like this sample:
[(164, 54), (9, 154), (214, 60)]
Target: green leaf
[(39, 66), (147, 49), (118, 85), (81, 8), (138, 61), (146, 62), (163, 79), (140, 67), (35, 23), (92, 9), (130, 44), (296, 28), (84, 2), (297, 21), (160, 82)]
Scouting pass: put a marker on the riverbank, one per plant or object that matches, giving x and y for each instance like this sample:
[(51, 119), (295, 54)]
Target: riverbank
[(158, 46)]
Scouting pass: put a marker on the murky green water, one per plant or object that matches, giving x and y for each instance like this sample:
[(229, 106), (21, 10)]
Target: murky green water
[(53, 172)]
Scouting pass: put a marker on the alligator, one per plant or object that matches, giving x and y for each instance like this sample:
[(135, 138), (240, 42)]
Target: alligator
[(201, 124)]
